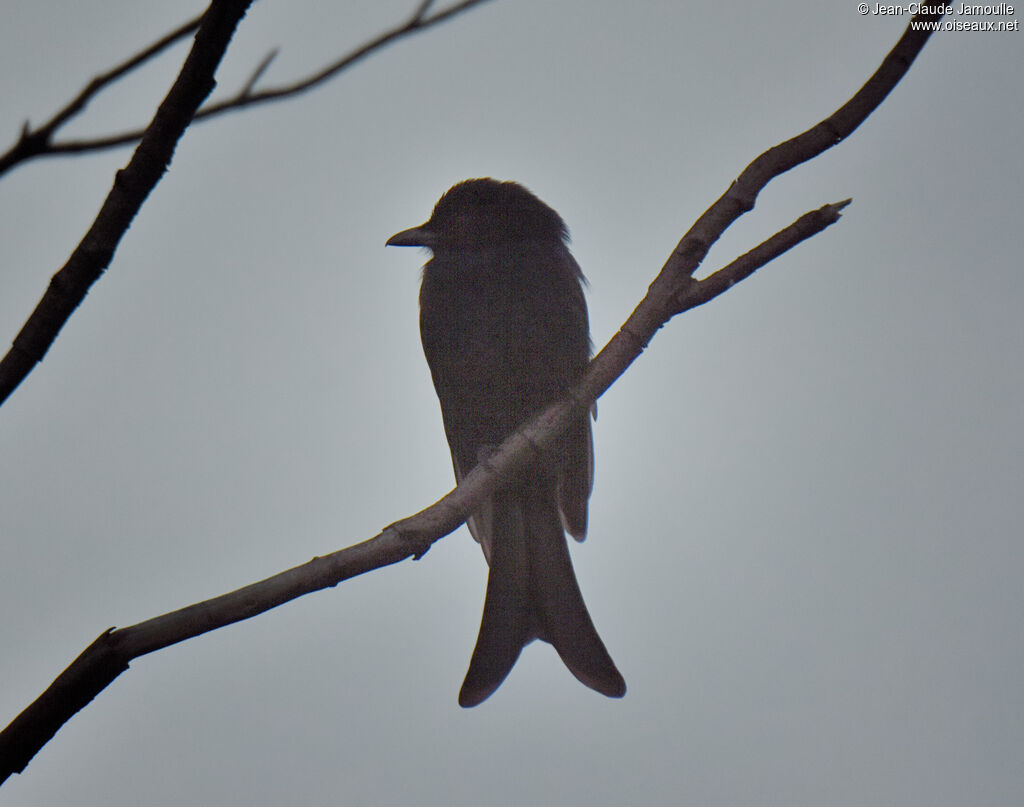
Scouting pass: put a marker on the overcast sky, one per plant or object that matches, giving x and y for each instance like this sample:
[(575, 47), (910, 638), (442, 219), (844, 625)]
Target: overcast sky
[(805, 549)]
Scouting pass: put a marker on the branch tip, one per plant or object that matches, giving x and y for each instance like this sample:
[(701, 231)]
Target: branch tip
[(420, 12), (259, 71)]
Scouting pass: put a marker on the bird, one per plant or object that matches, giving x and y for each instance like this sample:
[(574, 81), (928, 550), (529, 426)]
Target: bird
[(504, 327)]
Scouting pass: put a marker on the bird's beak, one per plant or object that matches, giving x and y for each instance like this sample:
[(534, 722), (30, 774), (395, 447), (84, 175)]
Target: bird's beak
[(413, 237)]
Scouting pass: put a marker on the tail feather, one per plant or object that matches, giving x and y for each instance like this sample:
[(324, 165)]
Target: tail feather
[(507, 622), (532, 593), (562, 612)]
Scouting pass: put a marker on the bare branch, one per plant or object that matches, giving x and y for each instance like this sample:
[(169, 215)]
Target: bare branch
[(673, 291), (675, 279), (699, 292), (69, 286), (104, 79), (38, 144), (132, 185), (33, 143), (242, 99)]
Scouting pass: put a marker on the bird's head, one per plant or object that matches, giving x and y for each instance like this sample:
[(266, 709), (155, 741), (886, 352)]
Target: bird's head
[(484, 213)]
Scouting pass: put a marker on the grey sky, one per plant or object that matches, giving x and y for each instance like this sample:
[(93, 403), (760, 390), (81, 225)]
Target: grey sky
[(805, 547)]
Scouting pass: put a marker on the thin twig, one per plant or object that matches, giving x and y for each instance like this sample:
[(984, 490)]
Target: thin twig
[(414, 24), (34, 142), (422, 9), (812, 223), (104, 79), (245, 97), (260, 69)]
